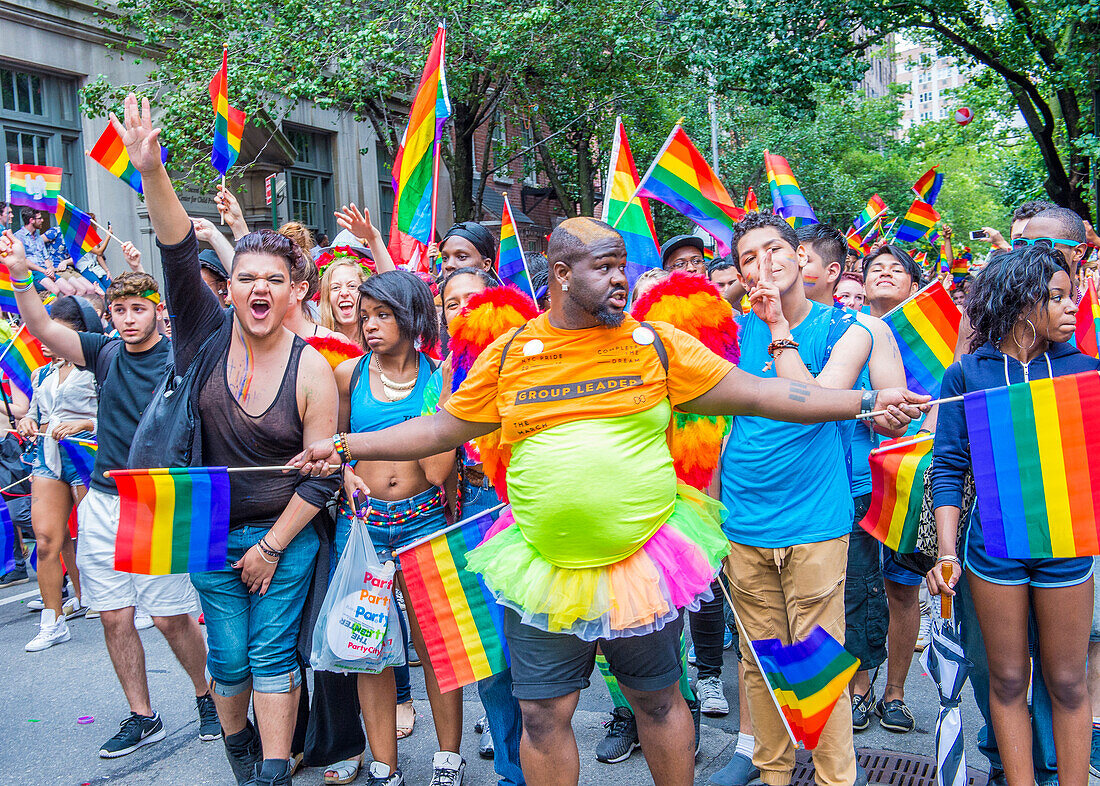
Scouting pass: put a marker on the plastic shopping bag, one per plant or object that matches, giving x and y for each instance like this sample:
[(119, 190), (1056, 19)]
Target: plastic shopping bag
[(355, 631)]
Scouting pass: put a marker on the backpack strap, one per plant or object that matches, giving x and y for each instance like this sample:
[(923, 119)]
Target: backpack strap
[(658, 345), (504, 352), (356, 373)]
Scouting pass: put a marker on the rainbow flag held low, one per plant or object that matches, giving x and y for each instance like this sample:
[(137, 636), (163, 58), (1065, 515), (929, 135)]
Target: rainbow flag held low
[(926, 327), (7, 293), (928, 185), (81, 453), (172, 520), (228, 120), (77, 228), (511, 265), (33, 186), (806, 679), (461, 621), (7, 538), (1088, 322), (635, 221), (1031, 445), (897, 488), (787, 200), (22, 357), (916, 223), (110, 153)]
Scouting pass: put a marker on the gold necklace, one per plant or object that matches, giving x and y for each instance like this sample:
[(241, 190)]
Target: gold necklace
[(394, 391)]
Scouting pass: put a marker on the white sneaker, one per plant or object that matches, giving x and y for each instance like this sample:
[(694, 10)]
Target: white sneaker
[(924, 638), (48, 635), (447, 769), (712, 696), (142, 621), (73, 608)]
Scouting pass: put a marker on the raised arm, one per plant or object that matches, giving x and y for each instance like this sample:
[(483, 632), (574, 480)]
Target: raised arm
[(359, 224), (206, 232)]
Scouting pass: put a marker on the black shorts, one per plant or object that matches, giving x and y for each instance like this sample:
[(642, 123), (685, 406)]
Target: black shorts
[(550, 665)]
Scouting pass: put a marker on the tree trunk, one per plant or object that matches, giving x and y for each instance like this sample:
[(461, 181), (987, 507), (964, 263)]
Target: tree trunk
[(462, 175), (584, 176)]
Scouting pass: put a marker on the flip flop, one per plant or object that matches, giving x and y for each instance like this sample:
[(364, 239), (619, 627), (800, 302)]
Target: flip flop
[(343, 771), (403, 730)]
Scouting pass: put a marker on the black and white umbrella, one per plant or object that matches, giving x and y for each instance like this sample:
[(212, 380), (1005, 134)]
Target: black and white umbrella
[(945, 663)]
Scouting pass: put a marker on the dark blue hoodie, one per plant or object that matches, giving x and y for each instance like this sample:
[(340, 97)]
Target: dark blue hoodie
[(986, 368)]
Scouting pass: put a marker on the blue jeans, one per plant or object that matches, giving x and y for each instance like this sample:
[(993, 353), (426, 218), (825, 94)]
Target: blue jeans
[(252, 638), (501, 707)]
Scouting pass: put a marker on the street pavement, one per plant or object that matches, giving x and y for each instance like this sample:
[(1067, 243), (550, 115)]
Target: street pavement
[(42, 743)]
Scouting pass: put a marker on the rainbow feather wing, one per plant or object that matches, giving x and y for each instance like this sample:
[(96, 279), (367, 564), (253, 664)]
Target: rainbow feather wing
[(335, 350)]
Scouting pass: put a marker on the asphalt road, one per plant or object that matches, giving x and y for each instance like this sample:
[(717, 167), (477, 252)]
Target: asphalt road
[(41, 741)]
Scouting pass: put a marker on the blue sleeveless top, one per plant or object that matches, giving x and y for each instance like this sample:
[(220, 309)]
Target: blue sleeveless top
[(370, 414)]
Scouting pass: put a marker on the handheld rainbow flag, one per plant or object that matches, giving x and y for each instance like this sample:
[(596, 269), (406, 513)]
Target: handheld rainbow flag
[(960, 269), (681, 178), (926, 327), (751, 205), (7, 293), (806, 679), (7, 538), (928, 185), (110, 153), (172, 520), (1031, 445), (921, 258), (897, 488), (787, 199), (33, 186), (228, 120), (81, 452), (22, 357), (1088, 322), (916, 223), (462, 623), (416, 166), (875, 209), (636, 222), (511, 265), (77, 228)]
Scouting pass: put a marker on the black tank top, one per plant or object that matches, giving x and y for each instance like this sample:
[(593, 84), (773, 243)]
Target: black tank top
[(233, 438)]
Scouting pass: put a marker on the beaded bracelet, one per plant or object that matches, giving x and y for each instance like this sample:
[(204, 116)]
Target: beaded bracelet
[(340, 444)]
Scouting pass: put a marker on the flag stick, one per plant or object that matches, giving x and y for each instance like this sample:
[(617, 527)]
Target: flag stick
[(110, 234), (16, 483), (220, 213), (181, 470), (876, 413), (900, 445), (11, 341), (648, 172), (438, 144), (444, 531)]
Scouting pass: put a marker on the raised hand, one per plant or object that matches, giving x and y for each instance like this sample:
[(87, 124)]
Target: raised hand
[(357, 222), (764, 295), (204, 229), (231, 212), (132, 256), (13, 255), (142, 141)]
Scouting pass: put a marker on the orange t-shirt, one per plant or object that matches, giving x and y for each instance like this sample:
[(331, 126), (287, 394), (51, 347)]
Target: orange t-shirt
[(552, 376)]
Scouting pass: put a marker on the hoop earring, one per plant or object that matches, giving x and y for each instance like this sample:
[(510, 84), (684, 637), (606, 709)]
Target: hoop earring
[(1034, 333)]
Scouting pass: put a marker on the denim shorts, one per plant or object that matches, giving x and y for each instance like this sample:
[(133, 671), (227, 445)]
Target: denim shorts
[(69, 473), (866, 614), (1048, 572), (252, 639), (394, 525), (892, 571)]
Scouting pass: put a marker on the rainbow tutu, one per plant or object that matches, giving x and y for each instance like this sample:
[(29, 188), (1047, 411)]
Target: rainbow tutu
[(671, 571)]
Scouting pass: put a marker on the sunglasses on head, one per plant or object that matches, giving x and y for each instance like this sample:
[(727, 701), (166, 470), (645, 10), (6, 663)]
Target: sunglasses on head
[(1042, 242)]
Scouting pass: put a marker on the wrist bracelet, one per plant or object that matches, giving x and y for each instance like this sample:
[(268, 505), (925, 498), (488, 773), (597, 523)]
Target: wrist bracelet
[(22, 284), (340, 445), (263, 544), (949, 558), (268, 561), (867, 402), (780, 344)]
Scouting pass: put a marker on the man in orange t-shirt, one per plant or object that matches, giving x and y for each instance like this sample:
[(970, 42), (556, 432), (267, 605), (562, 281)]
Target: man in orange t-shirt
[(583, 396)]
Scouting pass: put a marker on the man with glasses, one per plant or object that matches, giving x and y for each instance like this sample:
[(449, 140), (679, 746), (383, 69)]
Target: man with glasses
[(1058, 228), (684, 254)]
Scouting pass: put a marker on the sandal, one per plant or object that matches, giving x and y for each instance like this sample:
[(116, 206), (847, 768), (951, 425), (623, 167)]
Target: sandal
[(405, 729), (343, 771), (296, 762)]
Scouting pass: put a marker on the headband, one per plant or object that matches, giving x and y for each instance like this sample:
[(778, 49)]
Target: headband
[(152, 295)]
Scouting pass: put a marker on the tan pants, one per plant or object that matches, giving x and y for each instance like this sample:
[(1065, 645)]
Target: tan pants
[(783, 594)]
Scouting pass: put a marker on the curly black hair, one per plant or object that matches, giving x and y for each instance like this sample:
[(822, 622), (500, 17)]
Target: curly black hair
[(759, 221), (1010, 286)]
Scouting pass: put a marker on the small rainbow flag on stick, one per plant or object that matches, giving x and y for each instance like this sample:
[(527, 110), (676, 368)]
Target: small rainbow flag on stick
[(228, 120), (1088, 322), (33, 186), (110, 153), (1031, 445), (681, 178), (7, 293), (876, 208), (897, 488), (787, 199), (636, 222), (461, 621), (927, 329), (916, 223), (751, 204), (511, 266), (172, 520), (929, 185), (77, 228), (806, 679), (81, 452), (7, 538), (21, 358)]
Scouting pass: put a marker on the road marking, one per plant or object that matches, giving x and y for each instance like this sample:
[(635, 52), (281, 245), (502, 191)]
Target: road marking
[(21, 596)]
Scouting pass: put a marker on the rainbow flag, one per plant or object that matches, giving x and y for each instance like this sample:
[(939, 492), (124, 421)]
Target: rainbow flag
[(228, 120), (77, 228), (511, 265), (681, 178), (461, 621), (7, 293), (81, 452), (787, 199), (22, 357), (806, 679), (34, 186), (110, 153), (897, 488), (1088, 322), (635, 222), (960, 269), (926, 327), (928, 186), (751, 205), (1031, 445), (172, 520), (7, 538), (916, 223), (875, 209), (416, 166)]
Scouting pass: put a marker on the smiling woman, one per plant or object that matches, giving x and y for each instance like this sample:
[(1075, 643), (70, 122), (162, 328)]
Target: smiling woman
[(339, 297)]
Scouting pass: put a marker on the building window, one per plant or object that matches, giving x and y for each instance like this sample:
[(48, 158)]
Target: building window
[(385, 189), (926, 115), (39, 124), (309, 180), (530, 160), (926, 97), (500, 149)]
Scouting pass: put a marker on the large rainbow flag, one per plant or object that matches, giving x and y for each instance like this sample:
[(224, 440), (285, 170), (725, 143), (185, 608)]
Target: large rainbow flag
[(110, 153), (916, 223), (461, 621), (1031, 445), (81, 452), (22, 357), (77, 228), (897, 488), (172, 520), (228, 120), (787, 199), (928, 185), (926, 327), (806, 679), (511, 265), (1088, 322), (33, 186), (681, 178), (416, 166), (635, 222)]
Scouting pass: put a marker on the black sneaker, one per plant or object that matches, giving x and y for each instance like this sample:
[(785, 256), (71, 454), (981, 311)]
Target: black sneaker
[(243, 750), (895, 716), (135, 731), (17, 575), (209, 726), (862, 706), (280, 778), (621, 739), (375, 778)]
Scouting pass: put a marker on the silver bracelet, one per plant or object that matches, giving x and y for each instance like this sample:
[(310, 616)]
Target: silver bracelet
[(264, 557)]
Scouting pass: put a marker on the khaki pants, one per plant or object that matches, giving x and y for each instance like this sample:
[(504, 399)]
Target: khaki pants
[(783, 594)]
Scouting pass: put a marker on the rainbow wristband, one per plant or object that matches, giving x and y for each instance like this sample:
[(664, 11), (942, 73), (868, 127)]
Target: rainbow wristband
[(22, 284)]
